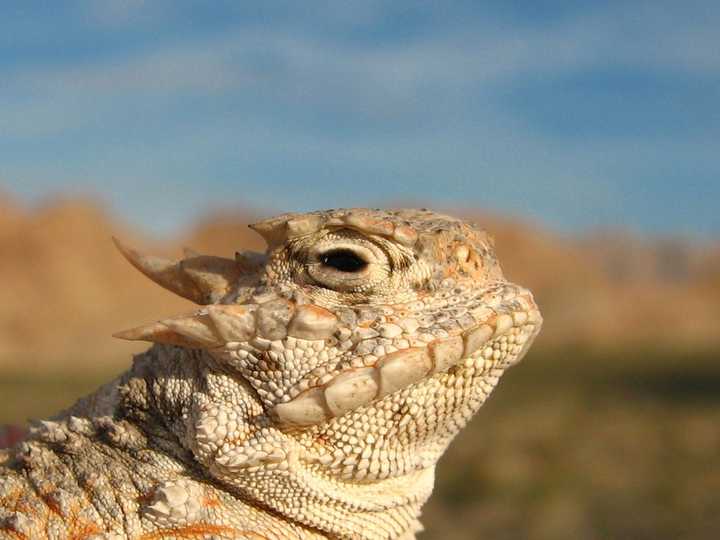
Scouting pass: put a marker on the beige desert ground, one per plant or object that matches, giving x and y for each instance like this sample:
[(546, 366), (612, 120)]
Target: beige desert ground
[(609, 429)]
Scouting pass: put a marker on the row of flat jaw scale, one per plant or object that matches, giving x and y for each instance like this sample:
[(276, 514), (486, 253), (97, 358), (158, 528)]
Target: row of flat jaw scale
[(502, 338)]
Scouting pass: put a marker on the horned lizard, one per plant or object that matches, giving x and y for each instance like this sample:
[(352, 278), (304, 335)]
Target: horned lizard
[(310, 397)]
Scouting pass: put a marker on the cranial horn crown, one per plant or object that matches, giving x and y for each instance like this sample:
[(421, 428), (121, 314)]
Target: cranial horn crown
[(277, 230), (273, 231), (202, 279)]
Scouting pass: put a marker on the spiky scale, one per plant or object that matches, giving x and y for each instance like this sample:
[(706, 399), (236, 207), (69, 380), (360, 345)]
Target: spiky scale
[(200, 278)]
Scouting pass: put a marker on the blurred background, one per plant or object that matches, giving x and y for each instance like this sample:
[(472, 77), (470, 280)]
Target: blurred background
[(585, 136)]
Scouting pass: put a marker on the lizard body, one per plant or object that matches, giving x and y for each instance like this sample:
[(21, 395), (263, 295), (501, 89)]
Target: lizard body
[(310, 397)]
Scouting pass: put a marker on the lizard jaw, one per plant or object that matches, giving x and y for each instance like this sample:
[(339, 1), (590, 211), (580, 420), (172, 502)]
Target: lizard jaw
[(217, 328), (223, 328), (355, 388)]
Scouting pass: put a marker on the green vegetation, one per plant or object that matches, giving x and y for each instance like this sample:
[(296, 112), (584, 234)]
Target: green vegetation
[(587, 445)]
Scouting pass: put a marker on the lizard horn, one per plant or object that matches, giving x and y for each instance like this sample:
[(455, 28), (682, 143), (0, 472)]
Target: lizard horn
[(202, 279), (207, 328), (272, 231), (193, 331), (277, 230)]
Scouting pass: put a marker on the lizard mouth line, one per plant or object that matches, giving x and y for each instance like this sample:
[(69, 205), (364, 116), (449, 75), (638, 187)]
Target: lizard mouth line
[(501, 340), (223, 329)]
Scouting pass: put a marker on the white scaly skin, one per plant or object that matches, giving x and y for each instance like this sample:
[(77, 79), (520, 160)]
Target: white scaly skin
[(310, 398)]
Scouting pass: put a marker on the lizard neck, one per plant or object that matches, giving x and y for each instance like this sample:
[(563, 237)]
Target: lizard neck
[(215, 417)]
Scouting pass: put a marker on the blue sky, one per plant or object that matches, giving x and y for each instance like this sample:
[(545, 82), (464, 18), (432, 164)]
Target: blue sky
[(577, 115)]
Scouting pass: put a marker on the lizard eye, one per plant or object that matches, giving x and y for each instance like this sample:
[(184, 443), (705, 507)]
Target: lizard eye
[(347, 265), (343, 260)]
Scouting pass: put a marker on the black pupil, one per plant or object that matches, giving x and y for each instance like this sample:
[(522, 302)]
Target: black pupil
[(343, 260)]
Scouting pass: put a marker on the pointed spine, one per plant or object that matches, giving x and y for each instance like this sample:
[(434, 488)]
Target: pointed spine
[(202, 279), (195, 331)]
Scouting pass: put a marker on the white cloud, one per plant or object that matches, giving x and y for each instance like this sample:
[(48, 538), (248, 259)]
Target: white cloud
[(384, 78), (346, 117)]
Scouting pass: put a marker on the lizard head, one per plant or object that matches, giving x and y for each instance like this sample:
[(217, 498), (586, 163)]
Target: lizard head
[(368, 337)]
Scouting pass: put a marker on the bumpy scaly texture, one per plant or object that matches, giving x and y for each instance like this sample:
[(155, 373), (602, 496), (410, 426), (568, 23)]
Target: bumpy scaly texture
[(310, 397)]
